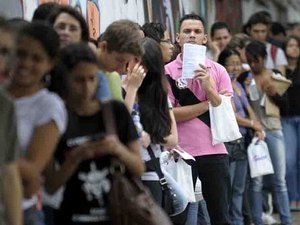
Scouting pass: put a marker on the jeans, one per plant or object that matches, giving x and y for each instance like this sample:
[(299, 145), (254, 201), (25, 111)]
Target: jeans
[(192, 214), (33, 216), (275, 142), (197, 214), (238, 172), (291, 132), (213, 171)]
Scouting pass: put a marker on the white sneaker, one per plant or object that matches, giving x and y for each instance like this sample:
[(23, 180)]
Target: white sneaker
[(268, 219)]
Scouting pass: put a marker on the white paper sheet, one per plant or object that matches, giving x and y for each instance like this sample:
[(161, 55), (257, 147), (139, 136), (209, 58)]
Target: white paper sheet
[(193, 55)]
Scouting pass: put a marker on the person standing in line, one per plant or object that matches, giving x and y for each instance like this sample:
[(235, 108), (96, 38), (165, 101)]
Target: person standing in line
[(41, 115), (220, 36), (212, 162), (247, 121), (85, 167), (263, 87), (290, 119)]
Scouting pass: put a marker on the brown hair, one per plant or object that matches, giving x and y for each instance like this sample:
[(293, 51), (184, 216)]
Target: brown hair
[(123, 36)]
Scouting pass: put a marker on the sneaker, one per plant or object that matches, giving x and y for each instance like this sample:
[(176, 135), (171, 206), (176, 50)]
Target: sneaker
[(268, 219)]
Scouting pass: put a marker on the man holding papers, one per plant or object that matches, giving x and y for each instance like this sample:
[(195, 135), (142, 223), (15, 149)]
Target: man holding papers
[(194, 81)]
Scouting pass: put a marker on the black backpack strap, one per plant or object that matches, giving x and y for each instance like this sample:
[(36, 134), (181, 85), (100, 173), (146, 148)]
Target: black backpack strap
[(156, 165), (187, 97)]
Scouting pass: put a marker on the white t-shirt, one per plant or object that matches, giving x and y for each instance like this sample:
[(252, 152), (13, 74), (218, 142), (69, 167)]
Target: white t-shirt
[(36, 110), (146, 157), (280, 59)]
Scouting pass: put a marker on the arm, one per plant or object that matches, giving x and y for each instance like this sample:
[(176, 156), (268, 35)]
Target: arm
[(128, 154), (12, 195), (43, 142), (282, 69), (184, 113), (172, 139)]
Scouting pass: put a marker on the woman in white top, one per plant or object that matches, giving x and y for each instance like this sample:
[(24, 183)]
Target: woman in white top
[(41, 115)]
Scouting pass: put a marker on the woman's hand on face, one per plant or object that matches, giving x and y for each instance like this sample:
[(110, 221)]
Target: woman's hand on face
[(135, 76)]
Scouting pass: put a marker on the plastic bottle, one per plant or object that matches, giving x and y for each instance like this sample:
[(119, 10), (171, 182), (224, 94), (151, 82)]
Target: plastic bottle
[(253, 92), (137, 121)]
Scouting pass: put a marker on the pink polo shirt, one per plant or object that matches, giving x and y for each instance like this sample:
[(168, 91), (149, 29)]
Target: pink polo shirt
[(194, 135)]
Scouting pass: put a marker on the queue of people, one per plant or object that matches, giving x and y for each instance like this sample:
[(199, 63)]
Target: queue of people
[(55, 140)]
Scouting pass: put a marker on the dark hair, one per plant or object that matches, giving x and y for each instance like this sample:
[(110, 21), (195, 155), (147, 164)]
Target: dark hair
[(218, 26), (17, 23), (43, 33), (43, 11), (155, 31), (259, 17), (5, 26), (73, 54), (277, 28), (74, 13), (123, 36), (256, 49), (152, 95), (288, 39), (69, 57), (225, 54), (191, 16)]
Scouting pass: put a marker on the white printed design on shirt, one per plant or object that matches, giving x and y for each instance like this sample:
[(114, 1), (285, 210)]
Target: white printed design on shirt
[(95, 182)]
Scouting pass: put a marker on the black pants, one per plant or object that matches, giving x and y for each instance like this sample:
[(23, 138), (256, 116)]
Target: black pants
[(213, 171)]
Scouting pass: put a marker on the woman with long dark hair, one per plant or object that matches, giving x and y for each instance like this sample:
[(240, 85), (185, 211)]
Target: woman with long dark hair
[(151, 104)]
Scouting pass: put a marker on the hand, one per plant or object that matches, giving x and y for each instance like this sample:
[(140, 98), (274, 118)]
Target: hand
[(201, 74), (257, 126), (31, 179), (270, 89), (110, 145), (260, 135), (146, 140), (135, 76)]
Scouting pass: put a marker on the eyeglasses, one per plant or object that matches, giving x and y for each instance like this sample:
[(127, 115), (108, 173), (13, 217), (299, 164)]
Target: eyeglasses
[(233, 65)]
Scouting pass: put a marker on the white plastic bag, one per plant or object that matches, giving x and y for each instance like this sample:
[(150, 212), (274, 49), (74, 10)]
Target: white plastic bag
[(223, 124), (259, 158), (182, 173), (181, 199)]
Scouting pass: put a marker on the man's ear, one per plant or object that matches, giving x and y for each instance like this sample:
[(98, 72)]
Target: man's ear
[(205, 39), (103, 45), (177, 38)]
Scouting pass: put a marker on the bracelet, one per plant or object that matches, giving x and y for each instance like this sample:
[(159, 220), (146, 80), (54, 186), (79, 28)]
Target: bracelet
[(251, 123)]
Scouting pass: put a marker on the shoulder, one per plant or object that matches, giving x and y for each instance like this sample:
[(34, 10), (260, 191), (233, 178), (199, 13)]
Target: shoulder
[(49, 99), (51, 107), (216, 68)]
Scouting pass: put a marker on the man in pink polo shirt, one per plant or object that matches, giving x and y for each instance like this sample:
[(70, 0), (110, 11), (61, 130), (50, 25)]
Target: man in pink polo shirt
[(192, 116)]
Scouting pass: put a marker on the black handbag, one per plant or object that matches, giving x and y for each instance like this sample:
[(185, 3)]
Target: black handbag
[(236, 150)]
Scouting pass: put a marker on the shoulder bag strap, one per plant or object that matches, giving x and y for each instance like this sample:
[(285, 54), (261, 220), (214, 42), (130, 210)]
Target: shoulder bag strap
[(187, 97), (156, 164)]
